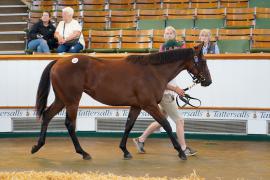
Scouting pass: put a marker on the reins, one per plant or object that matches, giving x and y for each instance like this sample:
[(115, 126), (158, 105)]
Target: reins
[(187, 98)]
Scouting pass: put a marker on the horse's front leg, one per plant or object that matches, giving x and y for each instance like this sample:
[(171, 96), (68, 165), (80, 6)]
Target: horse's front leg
[(155, 112), (132, 116)]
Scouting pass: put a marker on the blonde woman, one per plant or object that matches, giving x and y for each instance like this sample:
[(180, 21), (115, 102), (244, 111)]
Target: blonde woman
[(209, 47), (170, 40), (168, 103)]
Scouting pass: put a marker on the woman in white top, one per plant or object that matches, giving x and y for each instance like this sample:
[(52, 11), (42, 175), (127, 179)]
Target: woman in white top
[(69, 33), (168, 103)]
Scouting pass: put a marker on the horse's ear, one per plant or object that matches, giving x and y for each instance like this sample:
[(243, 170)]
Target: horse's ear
[(202, 44), (198, 49), (199, 46)]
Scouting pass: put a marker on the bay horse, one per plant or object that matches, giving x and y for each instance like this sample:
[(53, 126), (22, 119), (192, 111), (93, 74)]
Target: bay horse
[(137, 81)]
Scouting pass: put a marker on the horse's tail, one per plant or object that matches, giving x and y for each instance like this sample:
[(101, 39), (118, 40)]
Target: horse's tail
[(43, 89)]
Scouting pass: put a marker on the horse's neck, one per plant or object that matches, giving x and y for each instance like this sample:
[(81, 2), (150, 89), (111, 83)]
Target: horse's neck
[(170, 70), (176, 62)]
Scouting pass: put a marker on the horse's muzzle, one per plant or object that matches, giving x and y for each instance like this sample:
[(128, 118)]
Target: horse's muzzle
[(206, 83)]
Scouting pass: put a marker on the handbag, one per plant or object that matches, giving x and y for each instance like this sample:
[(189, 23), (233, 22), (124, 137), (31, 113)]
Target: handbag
[(70, 42)]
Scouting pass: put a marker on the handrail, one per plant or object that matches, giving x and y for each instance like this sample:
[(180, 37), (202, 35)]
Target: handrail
[(127, 107), (257, 56)]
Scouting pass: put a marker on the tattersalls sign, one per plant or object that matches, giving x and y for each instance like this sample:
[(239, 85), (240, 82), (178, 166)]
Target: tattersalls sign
[(226, 114), (257, 121), (264, 115), (187, 113), (11, 113)]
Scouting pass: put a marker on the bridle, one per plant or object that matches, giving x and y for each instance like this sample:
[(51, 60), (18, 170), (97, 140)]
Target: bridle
[(196, 65), (196, 80)]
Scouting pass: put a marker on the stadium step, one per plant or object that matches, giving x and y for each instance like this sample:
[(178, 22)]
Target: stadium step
[(12, 42), (13, 8), (12, 45), (12, 36), (13, 2), (13, 13), (13, 16), (13, 26)]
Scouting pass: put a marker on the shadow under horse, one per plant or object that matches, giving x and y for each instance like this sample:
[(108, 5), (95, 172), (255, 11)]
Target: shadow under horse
[(137, 81)]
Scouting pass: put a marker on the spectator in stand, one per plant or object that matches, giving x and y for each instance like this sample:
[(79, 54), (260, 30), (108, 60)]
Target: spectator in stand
[(41, 36), (170, 40), (69, 33), (208, 47)]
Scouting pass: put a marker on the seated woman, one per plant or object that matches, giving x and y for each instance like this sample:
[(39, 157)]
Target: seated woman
[(41, 36), (69, 33), (209, 47), (170, 40)]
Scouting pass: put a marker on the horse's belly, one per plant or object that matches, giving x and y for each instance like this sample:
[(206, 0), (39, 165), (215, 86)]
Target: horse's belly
[(113, 98)]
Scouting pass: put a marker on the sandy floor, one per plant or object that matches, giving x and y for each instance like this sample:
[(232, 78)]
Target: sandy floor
[(215, 160)]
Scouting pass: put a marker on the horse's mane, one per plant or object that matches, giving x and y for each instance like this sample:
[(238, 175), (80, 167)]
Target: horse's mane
[(161, 57)]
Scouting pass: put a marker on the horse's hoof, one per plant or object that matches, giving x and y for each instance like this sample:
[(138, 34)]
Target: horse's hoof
[(87, 157), (35, 148), (127, 156), (182, 156)]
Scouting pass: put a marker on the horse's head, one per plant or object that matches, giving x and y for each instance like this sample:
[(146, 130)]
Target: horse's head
[(198, 67)]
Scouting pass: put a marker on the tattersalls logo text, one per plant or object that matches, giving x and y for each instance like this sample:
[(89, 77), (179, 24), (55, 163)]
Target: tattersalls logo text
[(264, 115), (229, 114)]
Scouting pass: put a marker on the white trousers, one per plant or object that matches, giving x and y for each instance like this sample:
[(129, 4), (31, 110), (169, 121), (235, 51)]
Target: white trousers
[(169, 107)]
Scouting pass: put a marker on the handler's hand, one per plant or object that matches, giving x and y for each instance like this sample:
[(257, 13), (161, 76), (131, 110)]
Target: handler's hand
[(179, 91)]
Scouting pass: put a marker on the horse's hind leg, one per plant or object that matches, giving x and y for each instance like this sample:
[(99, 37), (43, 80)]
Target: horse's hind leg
[(49, 113), (160, 118), (132, 116), (71, 125)]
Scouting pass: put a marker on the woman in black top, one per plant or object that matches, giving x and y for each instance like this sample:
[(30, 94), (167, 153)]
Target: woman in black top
[(41, 36)]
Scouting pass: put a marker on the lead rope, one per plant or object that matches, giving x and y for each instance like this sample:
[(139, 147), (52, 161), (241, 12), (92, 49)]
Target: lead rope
[(186, 98)]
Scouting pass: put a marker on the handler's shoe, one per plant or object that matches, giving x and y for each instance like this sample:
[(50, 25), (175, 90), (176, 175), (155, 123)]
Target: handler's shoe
[(139, 145), (190, 152)]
